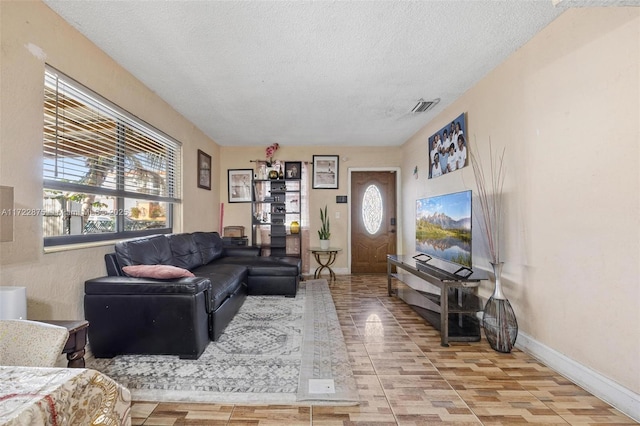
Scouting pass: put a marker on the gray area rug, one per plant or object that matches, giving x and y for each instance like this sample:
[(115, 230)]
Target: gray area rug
[(276, 350)]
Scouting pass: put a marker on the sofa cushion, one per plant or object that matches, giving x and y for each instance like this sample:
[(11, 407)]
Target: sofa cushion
[(153, 250), (209, 244), (225, 280), (293, 261), (185, 251), (264, 266), (161, 272)]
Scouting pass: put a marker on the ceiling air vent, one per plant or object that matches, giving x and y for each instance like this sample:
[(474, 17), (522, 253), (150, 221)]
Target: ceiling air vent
[(423, 105)]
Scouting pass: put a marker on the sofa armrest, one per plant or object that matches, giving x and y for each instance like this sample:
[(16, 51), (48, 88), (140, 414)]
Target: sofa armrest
[(148, 286), (242, 251)]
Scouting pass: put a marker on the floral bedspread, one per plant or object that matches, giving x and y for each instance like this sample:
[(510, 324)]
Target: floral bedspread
[(61, 396)]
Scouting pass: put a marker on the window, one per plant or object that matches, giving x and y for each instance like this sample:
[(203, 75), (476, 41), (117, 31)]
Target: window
[(106, 173), (372, 209)]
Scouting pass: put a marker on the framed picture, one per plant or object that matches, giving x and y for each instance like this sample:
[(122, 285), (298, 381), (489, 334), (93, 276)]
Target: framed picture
[(240, 181), (204, 170), (292, 169), (448, 148), (325, 172)]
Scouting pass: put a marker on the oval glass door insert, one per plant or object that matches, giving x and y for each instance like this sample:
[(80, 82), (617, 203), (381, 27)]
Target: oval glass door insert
[(372, 209)]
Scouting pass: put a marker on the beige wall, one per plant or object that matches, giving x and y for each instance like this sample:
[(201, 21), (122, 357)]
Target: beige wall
[(350, 157), (566, 107), (32, 35)]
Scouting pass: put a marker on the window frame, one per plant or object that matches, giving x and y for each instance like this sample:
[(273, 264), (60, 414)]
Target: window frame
[(123, 119)]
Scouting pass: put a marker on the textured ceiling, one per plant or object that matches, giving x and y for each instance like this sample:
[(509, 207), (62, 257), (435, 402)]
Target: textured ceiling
[(308, 73)]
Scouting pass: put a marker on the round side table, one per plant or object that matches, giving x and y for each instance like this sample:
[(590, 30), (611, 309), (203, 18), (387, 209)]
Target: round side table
[(325, 258)]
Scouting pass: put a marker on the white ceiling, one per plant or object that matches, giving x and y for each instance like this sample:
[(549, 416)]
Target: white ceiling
[(309, 72)]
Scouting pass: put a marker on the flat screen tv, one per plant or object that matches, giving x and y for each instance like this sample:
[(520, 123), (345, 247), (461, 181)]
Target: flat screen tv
[(443, 227)]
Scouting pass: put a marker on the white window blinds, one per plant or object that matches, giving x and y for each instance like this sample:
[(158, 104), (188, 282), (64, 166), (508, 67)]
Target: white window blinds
[(107, 174), (93, 145)]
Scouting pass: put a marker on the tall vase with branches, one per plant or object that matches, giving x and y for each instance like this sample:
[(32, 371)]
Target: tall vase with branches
[(499, 319)]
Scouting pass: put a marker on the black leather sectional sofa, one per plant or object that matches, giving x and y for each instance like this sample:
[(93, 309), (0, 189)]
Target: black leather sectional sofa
[(178, 316)]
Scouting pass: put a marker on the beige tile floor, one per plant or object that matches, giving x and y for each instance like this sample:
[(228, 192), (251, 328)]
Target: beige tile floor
[(406, 378)]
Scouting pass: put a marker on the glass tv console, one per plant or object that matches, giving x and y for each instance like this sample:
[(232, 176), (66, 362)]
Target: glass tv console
[(445, 297)]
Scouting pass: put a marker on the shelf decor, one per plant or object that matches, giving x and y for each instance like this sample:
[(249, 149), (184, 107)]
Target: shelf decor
[(295, 227), (270, 152), (499, 319), (292, 169)]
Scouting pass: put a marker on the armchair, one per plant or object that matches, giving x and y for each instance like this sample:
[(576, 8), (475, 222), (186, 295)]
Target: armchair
[(31, 343)]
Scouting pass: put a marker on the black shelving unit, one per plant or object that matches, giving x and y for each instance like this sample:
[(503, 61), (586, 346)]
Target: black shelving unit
[(275, 207)]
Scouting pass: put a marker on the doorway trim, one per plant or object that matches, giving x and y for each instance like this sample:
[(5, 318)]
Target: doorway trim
[(399, 223)]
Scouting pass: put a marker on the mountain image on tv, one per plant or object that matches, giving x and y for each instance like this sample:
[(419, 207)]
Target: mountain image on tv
[(443, 227)]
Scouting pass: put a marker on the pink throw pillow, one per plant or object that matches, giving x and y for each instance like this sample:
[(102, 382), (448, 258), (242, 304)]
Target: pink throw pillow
[(163, 272)]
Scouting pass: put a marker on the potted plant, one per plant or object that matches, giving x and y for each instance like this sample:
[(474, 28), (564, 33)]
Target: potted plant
[(324, 232)]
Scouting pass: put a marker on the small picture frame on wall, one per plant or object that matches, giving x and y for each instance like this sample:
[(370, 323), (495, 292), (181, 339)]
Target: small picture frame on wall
[(204, 170), (292, 169), (325, 171), (239, 184)]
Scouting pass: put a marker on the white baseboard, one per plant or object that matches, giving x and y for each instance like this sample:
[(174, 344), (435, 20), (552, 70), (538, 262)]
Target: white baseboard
[(600, 386)]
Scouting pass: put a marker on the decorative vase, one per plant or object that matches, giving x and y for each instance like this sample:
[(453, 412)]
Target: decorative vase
[(273, 174), (324, 244), (499, 320), (295, 227)]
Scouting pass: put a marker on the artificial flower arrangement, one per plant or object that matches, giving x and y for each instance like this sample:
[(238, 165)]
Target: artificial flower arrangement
[(270, 151)]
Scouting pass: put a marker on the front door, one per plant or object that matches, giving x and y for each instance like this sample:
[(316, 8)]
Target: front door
[(373, 220)]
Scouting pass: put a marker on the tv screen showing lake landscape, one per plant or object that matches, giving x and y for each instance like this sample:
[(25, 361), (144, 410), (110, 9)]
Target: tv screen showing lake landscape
[(443, 227)]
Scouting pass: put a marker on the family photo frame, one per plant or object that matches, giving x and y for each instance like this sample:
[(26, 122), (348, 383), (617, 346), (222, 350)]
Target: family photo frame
[(204, 170), (240, 182), (325, 171), (448, 148)]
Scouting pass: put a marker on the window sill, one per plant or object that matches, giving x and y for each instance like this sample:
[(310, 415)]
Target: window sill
[(79, 246)]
